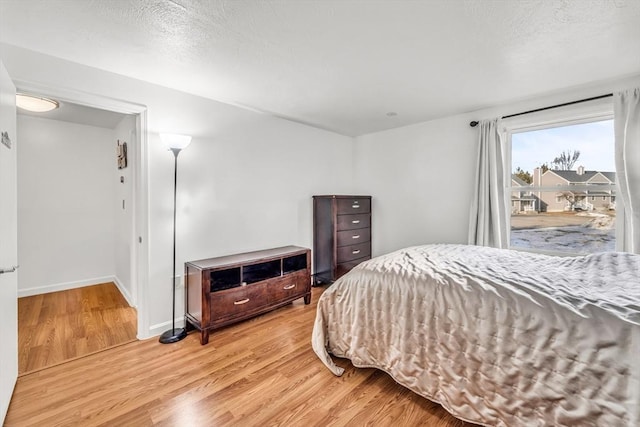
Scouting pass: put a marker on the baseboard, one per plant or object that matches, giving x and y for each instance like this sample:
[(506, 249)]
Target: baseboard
[(124, 291), (159, 328), (78, 284), (64, 286)]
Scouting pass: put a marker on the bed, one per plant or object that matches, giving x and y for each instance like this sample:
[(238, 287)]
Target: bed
[(497, 337)]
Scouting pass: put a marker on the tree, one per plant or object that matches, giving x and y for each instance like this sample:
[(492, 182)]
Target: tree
[(566, 160), (569, 197), (544, 167), (523, 175)]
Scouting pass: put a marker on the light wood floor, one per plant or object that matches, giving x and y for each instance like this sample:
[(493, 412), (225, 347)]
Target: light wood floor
[(261, 372), (60, 326)]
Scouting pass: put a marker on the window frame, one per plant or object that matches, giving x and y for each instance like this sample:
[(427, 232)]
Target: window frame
[(581, 113)]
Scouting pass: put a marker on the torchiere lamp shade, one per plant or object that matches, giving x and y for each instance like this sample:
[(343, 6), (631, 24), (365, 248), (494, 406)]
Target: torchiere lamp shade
[(174, 141)]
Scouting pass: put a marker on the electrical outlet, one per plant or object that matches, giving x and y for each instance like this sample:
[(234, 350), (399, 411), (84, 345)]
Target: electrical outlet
[(178, 282)]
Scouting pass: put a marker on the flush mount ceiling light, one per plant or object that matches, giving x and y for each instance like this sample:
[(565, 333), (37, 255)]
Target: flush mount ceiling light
[(36, 104)]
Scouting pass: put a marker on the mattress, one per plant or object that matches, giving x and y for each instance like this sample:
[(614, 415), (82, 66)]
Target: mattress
[(497, 337)]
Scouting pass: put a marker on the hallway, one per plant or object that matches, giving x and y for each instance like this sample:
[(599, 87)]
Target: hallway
[(60, 326)]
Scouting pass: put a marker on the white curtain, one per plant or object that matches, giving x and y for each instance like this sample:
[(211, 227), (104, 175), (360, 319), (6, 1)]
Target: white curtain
[(488, 221), (626, 111)]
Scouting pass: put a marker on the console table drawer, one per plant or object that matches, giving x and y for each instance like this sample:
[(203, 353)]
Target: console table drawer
[(349, 253), (353, 205), (288, 287), (351, 237), (352, 222), (237, 301)]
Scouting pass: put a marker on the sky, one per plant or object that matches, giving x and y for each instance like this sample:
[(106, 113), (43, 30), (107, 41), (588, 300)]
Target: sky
[(595, 141)]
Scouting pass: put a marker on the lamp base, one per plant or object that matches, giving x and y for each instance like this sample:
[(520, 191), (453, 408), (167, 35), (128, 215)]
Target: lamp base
[(173, 335)]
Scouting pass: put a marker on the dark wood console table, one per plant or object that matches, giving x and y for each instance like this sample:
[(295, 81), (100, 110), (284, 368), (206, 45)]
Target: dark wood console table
[(225, 290)]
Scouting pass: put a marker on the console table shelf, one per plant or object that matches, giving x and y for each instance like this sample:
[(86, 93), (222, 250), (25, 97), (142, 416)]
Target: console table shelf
[(225, 290)]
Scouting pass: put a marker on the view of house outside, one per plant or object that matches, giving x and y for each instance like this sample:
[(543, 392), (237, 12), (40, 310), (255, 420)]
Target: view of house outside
[(562, 189)]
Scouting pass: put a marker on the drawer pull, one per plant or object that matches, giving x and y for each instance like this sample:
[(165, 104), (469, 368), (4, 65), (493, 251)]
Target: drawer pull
[(357, 251), (355, 206), (242, 301), (357, 236), (286, 288), (355, 221)]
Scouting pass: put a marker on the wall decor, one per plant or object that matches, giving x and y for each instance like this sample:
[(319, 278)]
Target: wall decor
[(5, 139), (122, 154)]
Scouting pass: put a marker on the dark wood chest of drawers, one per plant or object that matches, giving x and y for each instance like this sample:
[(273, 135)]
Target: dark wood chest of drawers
[(225, 290), (341, 235)]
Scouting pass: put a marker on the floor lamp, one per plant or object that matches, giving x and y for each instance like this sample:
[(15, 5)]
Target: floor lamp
[(175, 143)]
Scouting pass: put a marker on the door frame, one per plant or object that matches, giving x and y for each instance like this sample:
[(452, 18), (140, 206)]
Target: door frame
[(9, 279), (140, 197)]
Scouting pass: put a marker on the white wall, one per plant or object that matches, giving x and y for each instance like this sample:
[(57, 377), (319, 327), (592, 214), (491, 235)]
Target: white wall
[(421, 179), (245, 182), (244, 187), (66, 191), (422, 176), (124, 238)]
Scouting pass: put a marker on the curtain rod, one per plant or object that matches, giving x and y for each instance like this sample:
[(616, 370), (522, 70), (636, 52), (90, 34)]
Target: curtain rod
[(475, 122)]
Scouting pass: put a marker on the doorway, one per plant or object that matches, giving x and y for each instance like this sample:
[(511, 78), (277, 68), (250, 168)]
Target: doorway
[(57, 327), (77, 238)]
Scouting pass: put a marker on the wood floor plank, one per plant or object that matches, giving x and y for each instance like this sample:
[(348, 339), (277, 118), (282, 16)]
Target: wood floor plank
[(60, 326), (258, 372)]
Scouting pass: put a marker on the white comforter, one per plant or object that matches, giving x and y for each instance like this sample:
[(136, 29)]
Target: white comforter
[(497, 337)]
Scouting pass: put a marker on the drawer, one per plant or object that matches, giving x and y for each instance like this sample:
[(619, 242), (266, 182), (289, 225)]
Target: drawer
[(349, 253), (352, 222), (289, 286), (238, 301), (354, 205), (345, 267), (352, 237)]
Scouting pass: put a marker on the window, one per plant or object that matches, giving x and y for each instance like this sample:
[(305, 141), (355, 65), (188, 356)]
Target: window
[(563, 159)]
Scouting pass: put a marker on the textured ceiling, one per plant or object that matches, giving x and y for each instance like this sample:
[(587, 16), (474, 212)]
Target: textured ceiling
[(341, 65)]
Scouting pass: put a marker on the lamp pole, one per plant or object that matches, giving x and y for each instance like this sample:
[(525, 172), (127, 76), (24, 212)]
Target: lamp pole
[(174, 335)]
